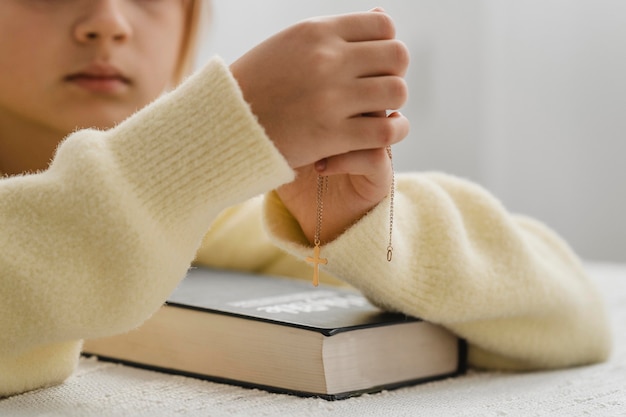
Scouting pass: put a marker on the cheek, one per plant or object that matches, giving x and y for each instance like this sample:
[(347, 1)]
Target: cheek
[(18, 53), (29, 57), (162, 50), (158, 67)]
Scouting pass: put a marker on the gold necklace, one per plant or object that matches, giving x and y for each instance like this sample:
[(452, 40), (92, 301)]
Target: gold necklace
[(322, 188)]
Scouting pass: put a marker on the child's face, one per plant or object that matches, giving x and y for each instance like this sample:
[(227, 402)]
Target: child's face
[(85, 63)]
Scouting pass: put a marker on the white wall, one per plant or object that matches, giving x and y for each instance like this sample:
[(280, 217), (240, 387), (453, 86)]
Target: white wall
[(526, 97), (555, 116)]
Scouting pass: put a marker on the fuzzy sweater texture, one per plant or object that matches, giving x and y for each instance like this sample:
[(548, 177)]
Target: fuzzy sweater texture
[(96, 243)]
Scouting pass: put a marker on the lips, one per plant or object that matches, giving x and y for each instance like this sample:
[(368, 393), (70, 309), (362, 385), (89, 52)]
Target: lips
[(100, 79), (96, 77)]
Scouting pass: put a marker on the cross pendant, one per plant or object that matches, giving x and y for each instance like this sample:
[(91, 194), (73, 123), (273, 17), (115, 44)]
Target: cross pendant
[(316, 261)]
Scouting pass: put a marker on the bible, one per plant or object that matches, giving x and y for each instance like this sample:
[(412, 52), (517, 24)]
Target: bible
[(284, 335)]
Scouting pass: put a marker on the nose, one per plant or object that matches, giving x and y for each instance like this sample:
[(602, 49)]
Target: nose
[(103, 20)]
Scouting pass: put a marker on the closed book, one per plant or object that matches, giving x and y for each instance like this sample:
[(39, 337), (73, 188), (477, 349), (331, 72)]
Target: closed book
[(284, 335)]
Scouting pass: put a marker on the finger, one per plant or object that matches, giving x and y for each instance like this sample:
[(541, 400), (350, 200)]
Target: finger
[(365, 26), (376, 58), (367, 95), (369, 163), (375, 132)]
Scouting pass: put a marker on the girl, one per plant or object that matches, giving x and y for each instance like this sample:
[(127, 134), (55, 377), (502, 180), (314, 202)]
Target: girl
[(94, 241)]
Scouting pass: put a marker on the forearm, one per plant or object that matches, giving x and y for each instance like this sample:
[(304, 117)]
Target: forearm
[(507, 284)]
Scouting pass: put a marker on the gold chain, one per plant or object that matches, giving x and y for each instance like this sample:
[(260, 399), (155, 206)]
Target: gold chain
[(322, 188), (392, 193)]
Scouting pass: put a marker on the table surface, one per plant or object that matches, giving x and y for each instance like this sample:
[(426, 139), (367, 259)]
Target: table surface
[(106, 389)]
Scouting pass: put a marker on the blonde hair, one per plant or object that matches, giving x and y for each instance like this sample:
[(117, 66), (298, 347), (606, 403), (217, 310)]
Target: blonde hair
[(197, 16)]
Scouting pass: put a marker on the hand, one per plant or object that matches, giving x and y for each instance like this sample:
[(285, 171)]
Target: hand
[(358, 181), (312, 85)]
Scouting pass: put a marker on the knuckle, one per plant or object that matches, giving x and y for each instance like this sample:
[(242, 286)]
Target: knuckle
[(312, 40), (386, 132), (322, 60), (386, 27), (401, 52), (311, 29), (399, 91)]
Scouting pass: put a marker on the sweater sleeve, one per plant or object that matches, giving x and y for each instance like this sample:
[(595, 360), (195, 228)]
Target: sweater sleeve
[(94, 245), (505, 283)]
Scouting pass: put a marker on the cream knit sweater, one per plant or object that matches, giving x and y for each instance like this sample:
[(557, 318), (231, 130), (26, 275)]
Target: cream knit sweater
[(95, 244)]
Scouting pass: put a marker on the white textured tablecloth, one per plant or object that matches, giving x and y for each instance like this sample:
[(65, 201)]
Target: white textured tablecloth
[(105, 389)]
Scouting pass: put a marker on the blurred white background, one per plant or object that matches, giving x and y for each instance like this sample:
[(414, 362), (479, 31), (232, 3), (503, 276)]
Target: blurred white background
[(527, 98)]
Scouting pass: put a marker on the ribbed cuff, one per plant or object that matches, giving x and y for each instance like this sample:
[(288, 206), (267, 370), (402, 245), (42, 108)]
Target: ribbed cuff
[(202, 144)]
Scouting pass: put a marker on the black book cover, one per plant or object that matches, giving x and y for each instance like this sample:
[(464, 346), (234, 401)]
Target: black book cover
[(325, 309)]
